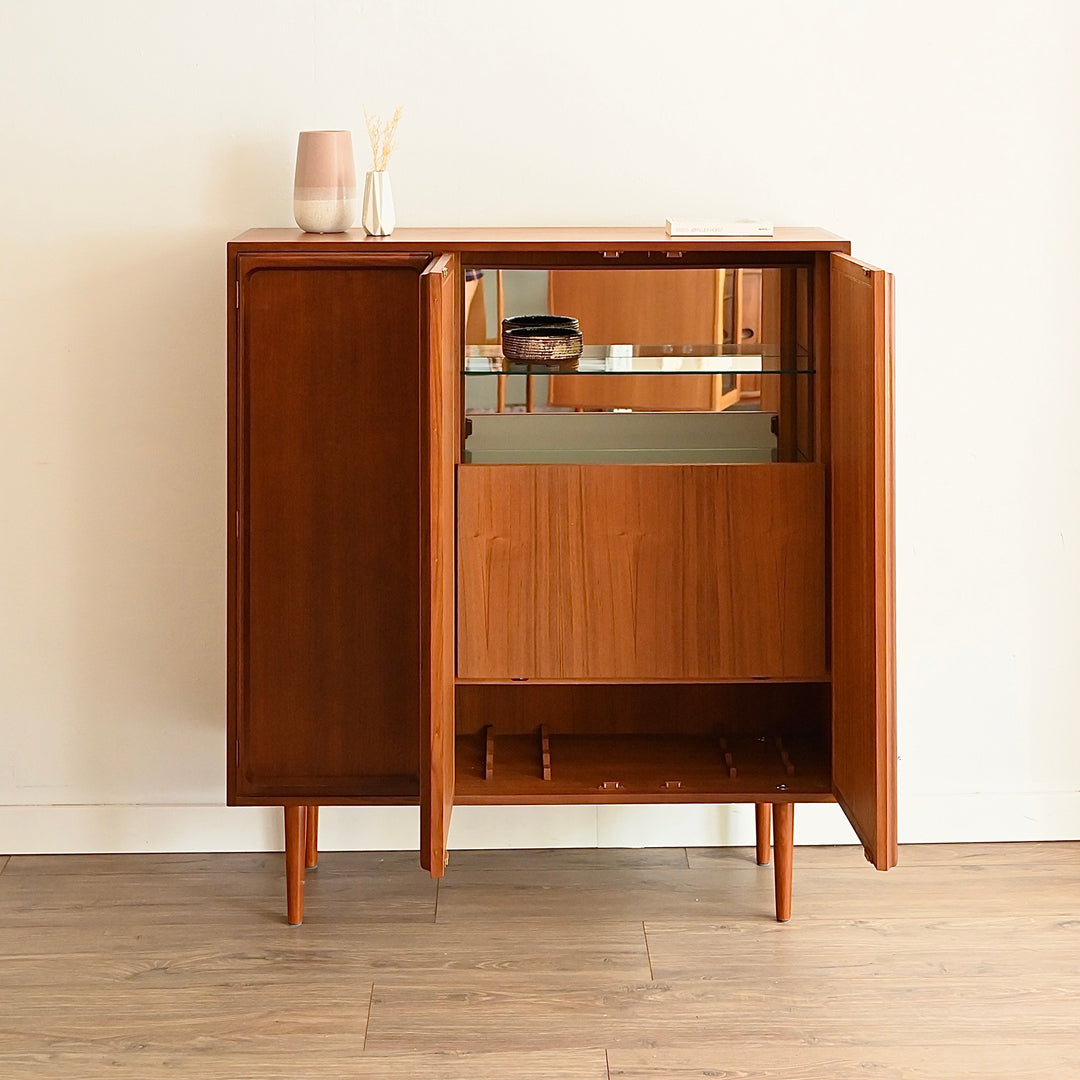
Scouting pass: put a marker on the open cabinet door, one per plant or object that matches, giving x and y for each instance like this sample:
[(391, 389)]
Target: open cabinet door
[(863, 652), (439, 422)]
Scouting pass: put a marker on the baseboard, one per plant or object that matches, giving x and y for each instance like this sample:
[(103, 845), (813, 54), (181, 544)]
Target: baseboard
[(57, 829)]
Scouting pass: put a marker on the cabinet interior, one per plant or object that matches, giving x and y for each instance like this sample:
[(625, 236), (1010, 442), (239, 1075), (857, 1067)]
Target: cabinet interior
[(652, 742), (697, 558), (704, 365)]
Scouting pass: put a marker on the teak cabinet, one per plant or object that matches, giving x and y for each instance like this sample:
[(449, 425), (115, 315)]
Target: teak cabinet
[(439, 604)]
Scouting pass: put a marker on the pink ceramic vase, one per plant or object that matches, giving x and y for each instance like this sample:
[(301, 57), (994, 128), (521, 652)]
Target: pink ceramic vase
[(324, 197)]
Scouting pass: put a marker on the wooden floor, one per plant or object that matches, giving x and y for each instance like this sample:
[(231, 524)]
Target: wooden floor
[(576, 965)]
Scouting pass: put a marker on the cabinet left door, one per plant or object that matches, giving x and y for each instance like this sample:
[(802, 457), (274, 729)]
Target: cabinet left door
[(326, 528)]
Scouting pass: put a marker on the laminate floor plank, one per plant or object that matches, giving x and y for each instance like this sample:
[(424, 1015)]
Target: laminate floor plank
[(561, 860), (337, 1062), (972, 947), (281, 1018), (1041, 853), (4, 860), (1032, 853), (971, 1061), (182, 864), (173, 863), (183, 957), (584, 1064), (801, 1009)]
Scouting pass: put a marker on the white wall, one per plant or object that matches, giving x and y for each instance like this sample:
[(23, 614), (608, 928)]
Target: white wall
[(138, 136)]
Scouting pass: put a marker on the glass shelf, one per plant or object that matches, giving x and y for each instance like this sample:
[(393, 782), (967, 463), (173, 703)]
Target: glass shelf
[(644, 360)]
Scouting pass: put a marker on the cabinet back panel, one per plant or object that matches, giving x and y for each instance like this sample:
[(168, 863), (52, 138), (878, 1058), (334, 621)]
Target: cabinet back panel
[(641, 571), (754, 708), (330, 535)]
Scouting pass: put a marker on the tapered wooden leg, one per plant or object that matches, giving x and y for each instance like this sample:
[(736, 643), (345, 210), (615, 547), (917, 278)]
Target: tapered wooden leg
[(311, 843), (763, 821), (294, 863), (783, 856)]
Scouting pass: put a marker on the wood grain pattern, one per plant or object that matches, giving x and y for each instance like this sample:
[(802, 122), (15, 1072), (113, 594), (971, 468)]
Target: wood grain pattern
[(295, 850), (786, 239), (440, 306), (863, 542), (820, 341), (769, 399), (332, 1056), (548, 860), (789, 383), (311, 837), (733, 708), (974, 1061), (977, 857), (675, 307), (646, 307), (909, 948), (158, 892), (639, 769), (940, 1010), (624, 572), (655, 393), (763, 832), (738, 891), (324, 589), (783, 815), (959, 965)]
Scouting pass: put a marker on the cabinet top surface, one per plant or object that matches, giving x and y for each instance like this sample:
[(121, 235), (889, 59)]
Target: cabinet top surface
[(786, 238)]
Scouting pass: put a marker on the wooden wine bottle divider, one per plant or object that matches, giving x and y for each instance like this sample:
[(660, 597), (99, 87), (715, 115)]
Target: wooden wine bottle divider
[(789, 766), (545, 758), (729, 760), (489, 752), (786, 765)]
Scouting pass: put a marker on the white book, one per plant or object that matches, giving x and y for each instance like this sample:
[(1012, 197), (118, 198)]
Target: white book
[(717, 227)]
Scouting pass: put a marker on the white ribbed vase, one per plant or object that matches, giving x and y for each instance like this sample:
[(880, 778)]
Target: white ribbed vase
[(324, 195), (378, 214)]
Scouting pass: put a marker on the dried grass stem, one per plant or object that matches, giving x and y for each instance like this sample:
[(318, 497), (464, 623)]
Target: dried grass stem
[(381, 134)]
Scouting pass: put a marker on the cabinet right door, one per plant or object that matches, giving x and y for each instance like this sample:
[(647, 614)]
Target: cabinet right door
[(441, 344), (863, 592)]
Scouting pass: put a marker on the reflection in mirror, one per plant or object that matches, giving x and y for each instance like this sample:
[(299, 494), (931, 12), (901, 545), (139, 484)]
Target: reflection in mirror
[(672, 307), (710, 336)]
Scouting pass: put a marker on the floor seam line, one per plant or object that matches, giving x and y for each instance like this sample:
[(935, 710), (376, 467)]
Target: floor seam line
[(367, 1022)]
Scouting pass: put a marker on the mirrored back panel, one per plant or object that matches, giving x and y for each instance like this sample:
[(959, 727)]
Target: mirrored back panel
[(702, 365)]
